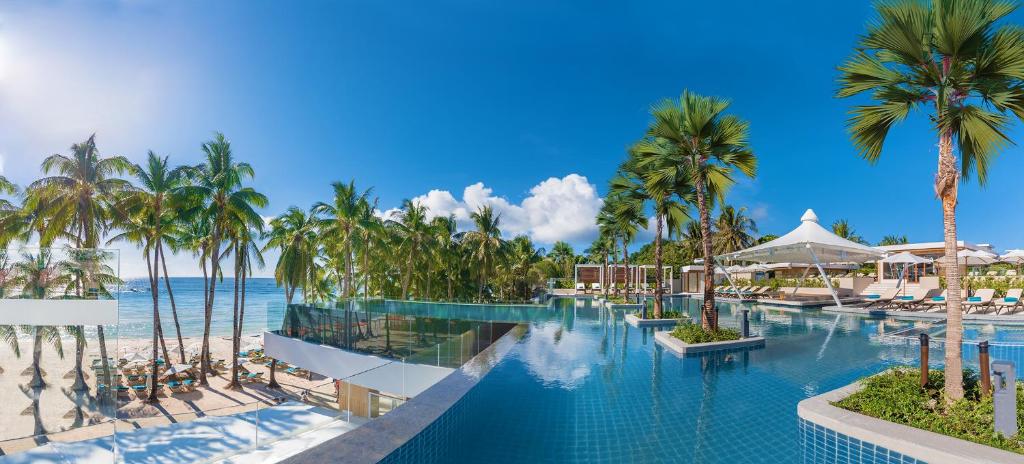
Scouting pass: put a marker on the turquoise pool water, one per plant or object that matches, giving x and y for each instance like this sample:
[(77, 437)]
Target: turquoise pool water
[(583, 386)]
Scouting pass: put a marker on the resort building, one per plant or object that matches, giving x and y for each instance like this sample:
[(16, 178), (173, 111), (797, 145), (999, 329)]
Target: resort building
[(594, 278)]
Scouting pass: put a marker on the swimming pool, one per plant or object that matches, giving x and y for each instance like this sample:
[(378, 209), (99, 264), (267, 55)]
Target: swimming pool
[(585, 387)]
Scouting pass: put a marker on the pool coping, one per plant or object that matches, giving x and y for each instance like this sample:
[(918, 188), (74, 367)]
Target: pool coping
[(678, 346), (909, 441), (635, 321), (380, 437)]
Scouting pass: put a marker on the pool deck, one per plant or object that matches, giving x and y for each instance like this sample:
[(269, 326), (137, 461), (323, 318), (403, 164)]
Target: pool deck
[(777, 302), (1014, 319)]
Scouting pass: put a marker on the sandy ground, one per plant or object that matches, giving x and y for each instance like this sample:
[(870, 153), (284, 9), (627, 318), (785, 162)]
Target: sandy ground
[(71, 416)]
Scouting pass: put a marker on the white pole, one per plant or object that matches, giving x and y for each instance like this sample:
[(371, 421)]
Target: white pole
[(727, 276), (828, 282), (800, 283)]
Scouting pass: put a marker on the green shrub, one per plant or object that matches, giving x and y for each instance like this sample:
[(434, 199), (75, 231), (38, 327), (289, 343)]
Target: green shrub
[(665, 314), (694, 333), (896, 396)]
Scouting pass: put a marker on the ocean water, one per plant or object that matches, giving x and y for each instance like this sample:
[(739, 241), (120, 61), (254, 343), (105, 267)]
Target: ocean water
[(264, 307)]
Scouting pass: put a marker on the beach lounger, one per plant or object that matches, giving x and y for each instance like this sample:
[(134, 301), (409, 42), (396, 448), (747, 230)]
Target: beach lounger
[(913, 301), (253, 377), (296, 371), (980, 302), (880, 299), (581, 287), (595, 287), (1009, 303)]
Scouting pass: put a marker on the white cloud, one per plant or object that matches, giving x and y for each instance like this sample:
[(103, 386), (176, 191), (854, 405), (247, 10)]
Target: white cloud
[(556, 209)]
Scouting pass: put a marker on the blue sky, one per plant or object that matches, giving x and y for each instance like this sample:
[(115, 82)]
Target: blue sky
[(528, 104)]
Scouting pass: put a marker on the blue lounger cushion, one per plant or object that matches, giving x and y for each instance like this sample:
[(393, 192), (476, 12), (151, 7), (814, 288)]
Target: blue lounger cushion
[(938, 298), (1010, 299), (873, 297), (974, 299), (907, 298)]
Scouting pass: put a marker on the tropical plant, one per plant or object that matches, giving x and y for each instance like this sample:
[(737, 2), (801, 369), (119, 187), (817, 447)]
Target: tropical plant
[(734, 230), (216, 185), (485, 243), (952, 60), (890, 240), (710, 146), (842, 228)]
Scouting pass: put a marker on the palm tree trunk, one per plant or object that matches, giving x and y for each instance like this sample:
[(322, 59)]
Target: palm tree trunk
[(708, 314), (408, 275), (233, 383), (348, 264), (604, 285), (946, 188), (104, 363), (625, 258), (174, 309), (154, 289), (37, 355), (659, 220), (208, 311), (79, 384)]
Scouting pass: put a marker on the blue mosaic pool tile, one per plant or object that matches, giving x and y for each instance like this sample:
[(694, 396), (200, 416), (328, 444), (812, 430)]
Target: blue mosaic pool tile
[(820, 445)]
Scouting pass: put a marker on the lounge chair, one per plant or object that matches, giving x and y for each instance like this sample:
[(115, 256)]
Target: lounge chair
[(595, 287), (253, 377), (581, 287), (913, 301), (1010, 302), (880, 299), (296, 371), (980, 302)]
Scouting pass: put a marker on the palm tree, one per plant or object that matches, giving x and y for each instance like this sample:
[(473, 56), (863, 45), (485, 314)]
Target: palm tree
[(623, 217), (564, 257), (37, 276), (766, 238), (245, 250), (75, 201), (446, 245), (217, 185), (842, 228), (295, 235), (951, 60), (342, 220), (601, 251), (651, 174), (85, 265), (710, 146), (414, 232), (485, 243), (521, 262), (889, 240), (733, 230)]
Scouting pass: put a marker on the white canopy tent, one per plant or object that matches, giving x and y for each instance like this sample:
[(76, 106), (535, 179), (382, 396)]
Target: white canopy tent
[(1013, 257), (809, 243)]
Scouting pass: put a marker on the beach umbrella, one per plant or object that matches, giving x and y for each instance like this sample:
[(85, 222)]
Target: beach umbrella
[(907, 259), (975, 257), (1013, 256), (135, 357), (177, 369)]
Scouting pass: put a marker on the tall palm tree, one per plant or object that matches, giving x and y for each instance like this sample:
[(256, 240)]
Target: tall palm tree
[(76, 199), (521, 262), (37, 276), (842, 228), (414, 232), (894, 240), (734, 230), (485, 243), (217, 185), (622, 216), (244, 249), (951, 60), (564, 257), (710, 146), (652, 174), (342, 220)]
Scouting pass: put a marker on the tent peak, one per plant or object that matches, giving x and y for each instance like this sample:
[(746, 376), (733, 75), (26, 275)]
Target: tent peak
[(809, 216)]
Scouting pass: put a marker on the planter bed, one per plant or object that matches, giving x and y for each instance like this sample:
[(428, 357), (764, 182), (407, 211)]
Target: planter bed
[(676, 345), (858, 433)]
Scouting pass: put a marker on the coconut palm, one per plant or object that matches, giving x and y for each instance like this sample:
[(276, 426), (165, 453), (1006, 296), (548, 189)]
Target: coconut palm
[(564, 257), (842, 228), (342, 219), (446, 245), (75, 203), (245, 251), (216, 184), (521, 265), (294, 234), (485, 243), (711, 147), (37, 277), (734, 230), (413, 231), (952, 60), (889, 240)]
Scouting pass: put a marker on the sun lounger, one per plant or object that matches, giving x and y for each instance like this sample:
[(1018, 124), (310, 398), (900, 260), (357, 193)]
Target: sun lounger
[(913, 301), (980, 302), (296, 371), (880, 299), (595, 287), (1010, 303), (253, 377), (581, 287)]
